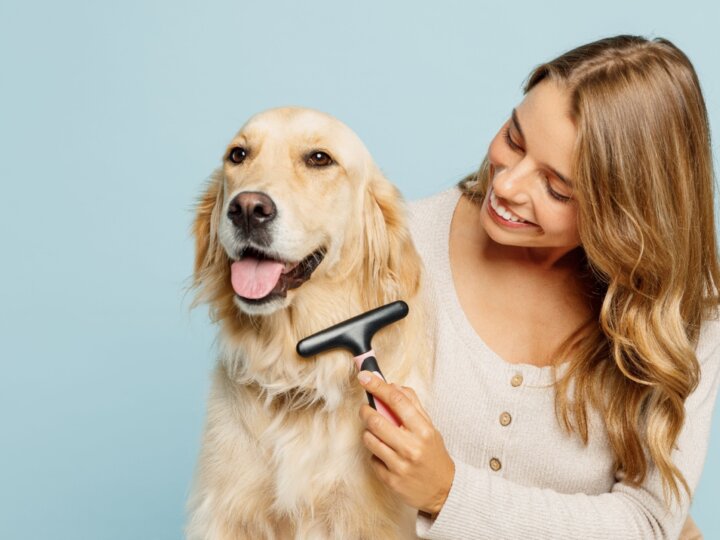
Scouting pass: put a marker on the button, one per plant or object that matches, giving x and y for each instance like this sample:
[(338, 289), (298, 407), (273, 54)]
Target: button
[(516, 380), (495, 464), (505, 419)]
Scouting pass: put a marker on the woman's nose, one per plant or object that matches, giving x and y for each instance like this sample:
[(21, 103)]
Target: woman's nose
[(512, 183)]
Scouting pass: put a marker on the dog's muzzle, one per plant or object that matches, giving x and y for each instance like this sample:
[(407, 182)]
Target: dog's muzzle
[(258, 274)]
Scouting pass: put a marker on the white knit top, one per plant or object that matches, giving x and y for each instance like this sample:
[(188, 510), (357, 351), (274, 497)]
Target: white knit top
[(518, 473)]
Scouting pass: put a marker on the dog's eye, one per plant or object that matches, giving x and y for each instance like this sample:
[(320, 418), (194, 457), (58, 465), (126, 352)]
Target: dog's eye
[(237, 154), (319, 159)]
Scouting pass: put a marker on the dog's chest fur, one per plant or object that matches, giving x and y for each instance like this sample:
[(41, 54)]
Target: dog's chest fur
[(288, 466)]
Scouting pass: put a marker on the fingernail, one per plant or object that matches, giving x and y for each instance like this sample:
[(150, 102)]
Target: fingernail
[(364, 377)]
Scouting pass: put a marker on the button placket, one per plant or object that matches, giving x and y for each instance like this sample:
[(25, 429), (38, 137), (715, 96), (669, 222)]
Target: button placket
[(505, 419)]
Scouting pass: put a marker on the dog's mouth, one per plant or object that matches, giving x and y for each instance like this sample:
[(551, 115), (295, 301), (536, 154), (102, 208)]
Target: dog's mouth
[(257, 276)]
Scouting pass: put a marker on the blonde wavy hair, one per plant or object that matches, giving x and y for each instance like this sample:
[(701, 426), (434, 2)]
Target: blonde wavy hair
[(644, 191)]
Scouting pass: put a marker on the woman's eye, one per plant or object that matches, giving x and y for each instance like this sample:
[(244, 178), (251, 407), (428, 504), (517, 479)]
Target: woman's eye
[(237, 154), (319, 159), (509, 141), (555, 194)]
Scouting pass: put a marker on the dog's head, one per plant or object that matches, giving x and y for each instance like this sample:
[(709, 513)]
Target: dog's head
[(298, 201)]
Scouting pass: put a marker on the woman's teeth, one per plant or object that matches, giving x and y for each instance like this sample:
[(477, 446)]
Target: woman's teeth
[(502, 211)]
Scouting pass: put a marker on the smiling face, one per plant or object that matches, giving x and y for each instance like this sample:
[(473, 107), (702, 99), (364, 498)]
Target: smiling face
[(529, 202)]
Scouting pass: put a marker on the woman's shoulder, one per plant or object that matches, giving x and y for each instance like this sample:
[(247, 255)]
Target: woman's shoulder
[(429, 219), (429, 213), (447, 198)]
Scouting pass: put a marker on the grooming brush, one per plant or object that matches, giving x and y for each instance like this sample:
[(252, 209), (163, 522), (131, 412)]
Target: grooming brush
[(355, 335)]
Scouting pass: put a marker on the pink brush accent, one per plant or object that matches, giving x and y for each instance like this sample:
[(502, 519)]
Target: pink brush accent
[(379, 405), (359, 359)]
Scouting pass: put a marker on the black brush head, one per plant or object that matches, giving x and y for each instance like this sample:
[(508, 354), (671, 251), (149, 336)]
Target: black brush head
[(354, 334)]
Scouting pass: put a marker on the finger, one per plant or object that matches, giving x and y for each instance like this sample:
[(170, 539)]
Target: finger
[(412, 396), (381, 470), (394, 399), (380, 450), (391, 435)]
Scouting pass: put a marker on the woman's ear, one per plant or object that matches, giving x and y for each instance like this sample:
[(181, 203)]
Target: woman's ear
[(392, 267)]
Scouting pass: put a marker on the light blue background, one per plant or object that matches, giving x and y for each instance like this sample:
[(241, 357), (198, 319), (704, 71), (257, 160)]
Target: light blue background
[(111, 116)]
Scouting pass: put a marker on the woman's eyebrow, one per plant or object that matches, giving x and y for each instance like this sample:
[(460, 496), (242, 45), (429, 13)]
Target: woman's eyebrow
[(562, 178)]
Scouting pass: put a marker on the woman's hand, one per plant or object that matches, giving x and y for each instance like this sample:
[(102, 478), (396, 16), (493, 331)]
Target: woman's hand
[(411, 460)]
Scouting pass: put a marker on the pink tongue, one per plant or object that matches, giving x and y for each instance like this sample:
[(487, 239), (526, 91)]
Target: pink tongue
[(253, 278)]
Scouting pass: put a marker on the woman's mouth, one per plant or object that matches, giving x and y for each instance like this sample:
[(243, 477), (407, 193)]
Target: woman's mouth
[(505, 216)]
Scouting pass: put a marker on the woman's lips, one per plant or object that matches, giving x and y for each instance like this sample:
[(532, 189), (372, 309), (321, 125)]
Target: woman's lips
[(506, 222)]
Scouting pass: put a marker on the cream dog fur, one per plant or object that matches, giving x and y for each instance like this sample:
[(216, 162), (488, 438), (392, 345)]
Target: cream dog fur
[(301, 220)]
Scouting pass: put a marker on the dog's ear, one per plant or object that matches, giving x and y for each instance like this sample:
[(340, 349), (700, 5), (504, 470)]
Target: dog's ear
[(392, 268), (205, 227)]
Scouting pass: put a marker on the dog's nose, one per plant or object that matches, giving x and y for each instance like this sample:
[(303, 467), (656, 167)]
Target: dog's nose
[(251, 209)]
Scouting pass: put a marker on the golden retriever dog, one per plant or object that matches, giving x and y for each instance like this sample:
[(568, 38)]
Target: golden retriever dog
[(296, 231)]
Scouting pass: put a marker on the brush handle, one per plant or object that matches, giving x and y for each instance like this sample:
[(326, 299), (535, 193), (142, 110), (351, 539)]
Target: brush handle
[(369, 363), (353, 334)]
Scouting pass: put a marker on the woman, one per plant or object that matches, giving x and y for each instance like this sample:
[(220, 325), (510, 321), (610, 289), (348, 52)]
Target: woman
[(575, 279)]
